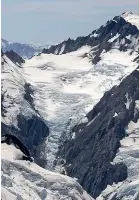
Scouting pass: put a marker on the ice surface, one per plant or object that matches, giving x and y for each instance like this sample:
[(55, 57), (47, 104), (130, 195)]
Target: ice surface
[(6, 195), (27, 181)]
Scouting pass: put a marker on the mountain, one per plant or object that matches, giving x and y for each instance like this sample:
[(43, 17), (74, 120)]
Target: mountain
[(73, 109), (24, 50), (19, 117), (120, 33), (23, 130), (112, 124), (14, 57)]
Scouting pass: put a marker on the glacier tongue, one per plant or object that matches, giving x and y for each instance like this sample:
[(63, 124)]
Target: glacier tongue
[(67, 86)]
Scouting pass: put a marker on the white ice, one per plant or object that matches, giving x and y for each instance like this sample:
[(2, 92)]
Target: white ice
[(27, 181)]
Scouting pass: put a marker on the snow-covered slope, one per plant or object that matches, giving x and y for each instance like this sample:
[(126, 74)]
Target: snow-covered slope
[(19, 118), (45, 102), (27, 181), (12, 81), (24, 50)]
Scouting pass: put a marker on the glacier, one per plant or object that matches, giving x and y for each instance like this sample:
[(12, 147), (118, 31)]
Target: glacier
[(67, 86), (64, 88)]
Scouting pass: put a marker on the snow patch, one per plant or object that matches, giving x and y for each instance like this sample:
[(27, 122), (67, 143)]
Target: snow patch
[(129, 101), (115, 114), (128, 37), (62, 49), (114, 38), (94, 35), (93, 119)]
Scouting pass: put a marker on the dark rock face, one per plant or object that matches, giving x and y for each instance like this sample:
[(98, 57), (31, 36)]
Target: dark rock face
[(2, 53), (100, 39), (10, 139), (70, 45), (27, 95), (14, 57), (89, 156), (3, 111), (32, 132)]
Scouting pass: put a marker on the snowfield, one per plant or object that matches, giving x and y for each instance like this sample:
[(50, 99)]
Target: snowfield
[(24, 180), (67, 86)]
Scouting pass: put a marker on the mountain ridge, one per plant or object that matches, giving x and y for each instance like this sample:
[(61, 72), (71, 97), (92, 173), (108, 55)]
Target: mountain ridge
[(24, 50), (103, 122), (118, 25)]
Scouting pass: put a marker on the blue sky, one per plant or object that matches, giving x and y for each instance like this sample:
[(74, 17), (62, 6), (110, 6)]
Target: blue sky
[(51, 21)]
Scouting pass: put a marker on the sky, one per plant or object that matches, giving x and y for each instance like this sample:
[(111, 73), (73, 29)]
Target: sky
[(52, 21)]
